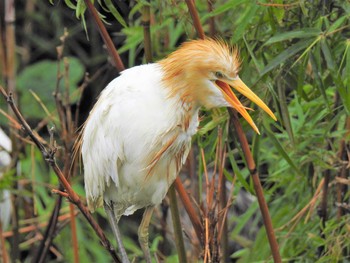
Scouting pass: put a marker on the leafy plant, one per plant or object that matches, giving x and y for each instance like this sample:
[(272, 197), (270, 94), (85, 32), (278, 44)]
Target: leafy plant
[(295, 55)]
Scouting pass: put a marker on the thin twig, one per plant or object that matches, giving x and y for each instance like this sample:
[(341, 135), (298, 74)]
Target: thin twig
[(45, 244), (34, 227), (60, 192)]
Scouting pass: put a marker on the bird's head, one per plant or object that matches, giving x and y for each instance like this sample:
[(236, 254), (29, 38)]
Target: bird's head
[(204, 72)]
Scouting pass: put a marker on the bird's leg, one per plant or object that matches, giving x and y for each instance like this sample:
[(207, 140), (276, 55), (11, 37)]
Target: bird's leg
[(114, 224), (143, 232)]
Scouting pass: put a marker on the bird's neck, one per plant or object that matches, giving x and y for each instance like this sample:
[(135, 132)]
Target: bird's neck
[(179, 87)]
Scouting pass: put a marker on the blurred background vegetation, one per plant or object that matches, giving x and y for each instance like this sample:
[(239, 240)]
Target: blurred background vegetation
[(295, 56)]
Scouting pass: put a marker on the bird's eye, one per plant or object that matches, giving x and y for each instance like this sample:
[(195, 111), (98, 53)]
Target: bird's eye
[(219, 75)]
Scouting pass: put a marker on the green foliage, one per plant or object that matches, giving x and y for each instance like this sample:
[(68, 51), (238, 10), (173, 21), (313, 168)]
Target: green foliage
[(295, 56), (36, 80)]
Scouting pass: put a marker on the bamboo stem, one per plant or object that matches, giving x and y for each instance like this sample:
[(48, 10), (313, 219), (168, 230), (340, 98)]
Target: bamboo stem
[(198, 228), (146, 22), (341, 188), (10, 80), (179, 241), (258, 189), (195, 18), (212, 30), (73, 226), (105, 36), (223, 202)]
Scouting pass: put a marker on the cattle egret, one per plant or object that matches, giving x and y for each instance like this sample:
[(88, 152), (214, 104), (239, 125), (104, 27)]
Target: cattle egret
[(139, 132)]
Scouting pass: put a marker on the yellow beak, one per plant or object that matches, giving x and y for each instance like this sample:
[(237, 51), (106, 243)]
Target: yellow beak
[(231, 98)]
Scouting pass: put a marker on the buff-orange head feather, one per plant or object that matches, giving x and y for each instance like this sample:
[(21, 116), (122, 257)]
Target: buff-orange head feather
[(205, 72)]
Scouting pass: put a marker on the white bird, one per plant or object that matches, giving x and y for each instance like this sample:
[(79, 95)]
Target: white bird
[(138, 134)]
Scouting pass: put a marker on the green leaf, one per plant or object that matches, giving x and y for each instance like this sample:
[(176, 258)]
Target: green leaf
[(115, 12), (228, 5), (41, 79), (327, 54), (286, 54), (70, 4), (243, 22), (281, 149), (240, 176), (337, 24), (80, 9), (303, 33), (341, 88)]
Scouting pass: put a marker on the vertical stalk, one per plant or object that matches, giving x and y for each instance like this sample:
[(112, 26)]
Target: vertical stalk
[(28, 29), (191, 164), (195, 18), (73, 226), (212, 29), (146, 22), (177, 225), (10, 73), (341, 188), (197, 225), (106, 38), (222, 203), (322, 211), (2, 51), (10, 43), (258, 189), (44, 246)]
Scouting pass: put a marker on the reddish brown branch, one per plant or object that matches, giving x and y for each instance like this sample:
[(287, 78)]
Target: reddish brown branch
[(258, 189), (105, 36), (189, 208), (146, 23), (59, 192), (195, 17), (212, 30), (50, 159)]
